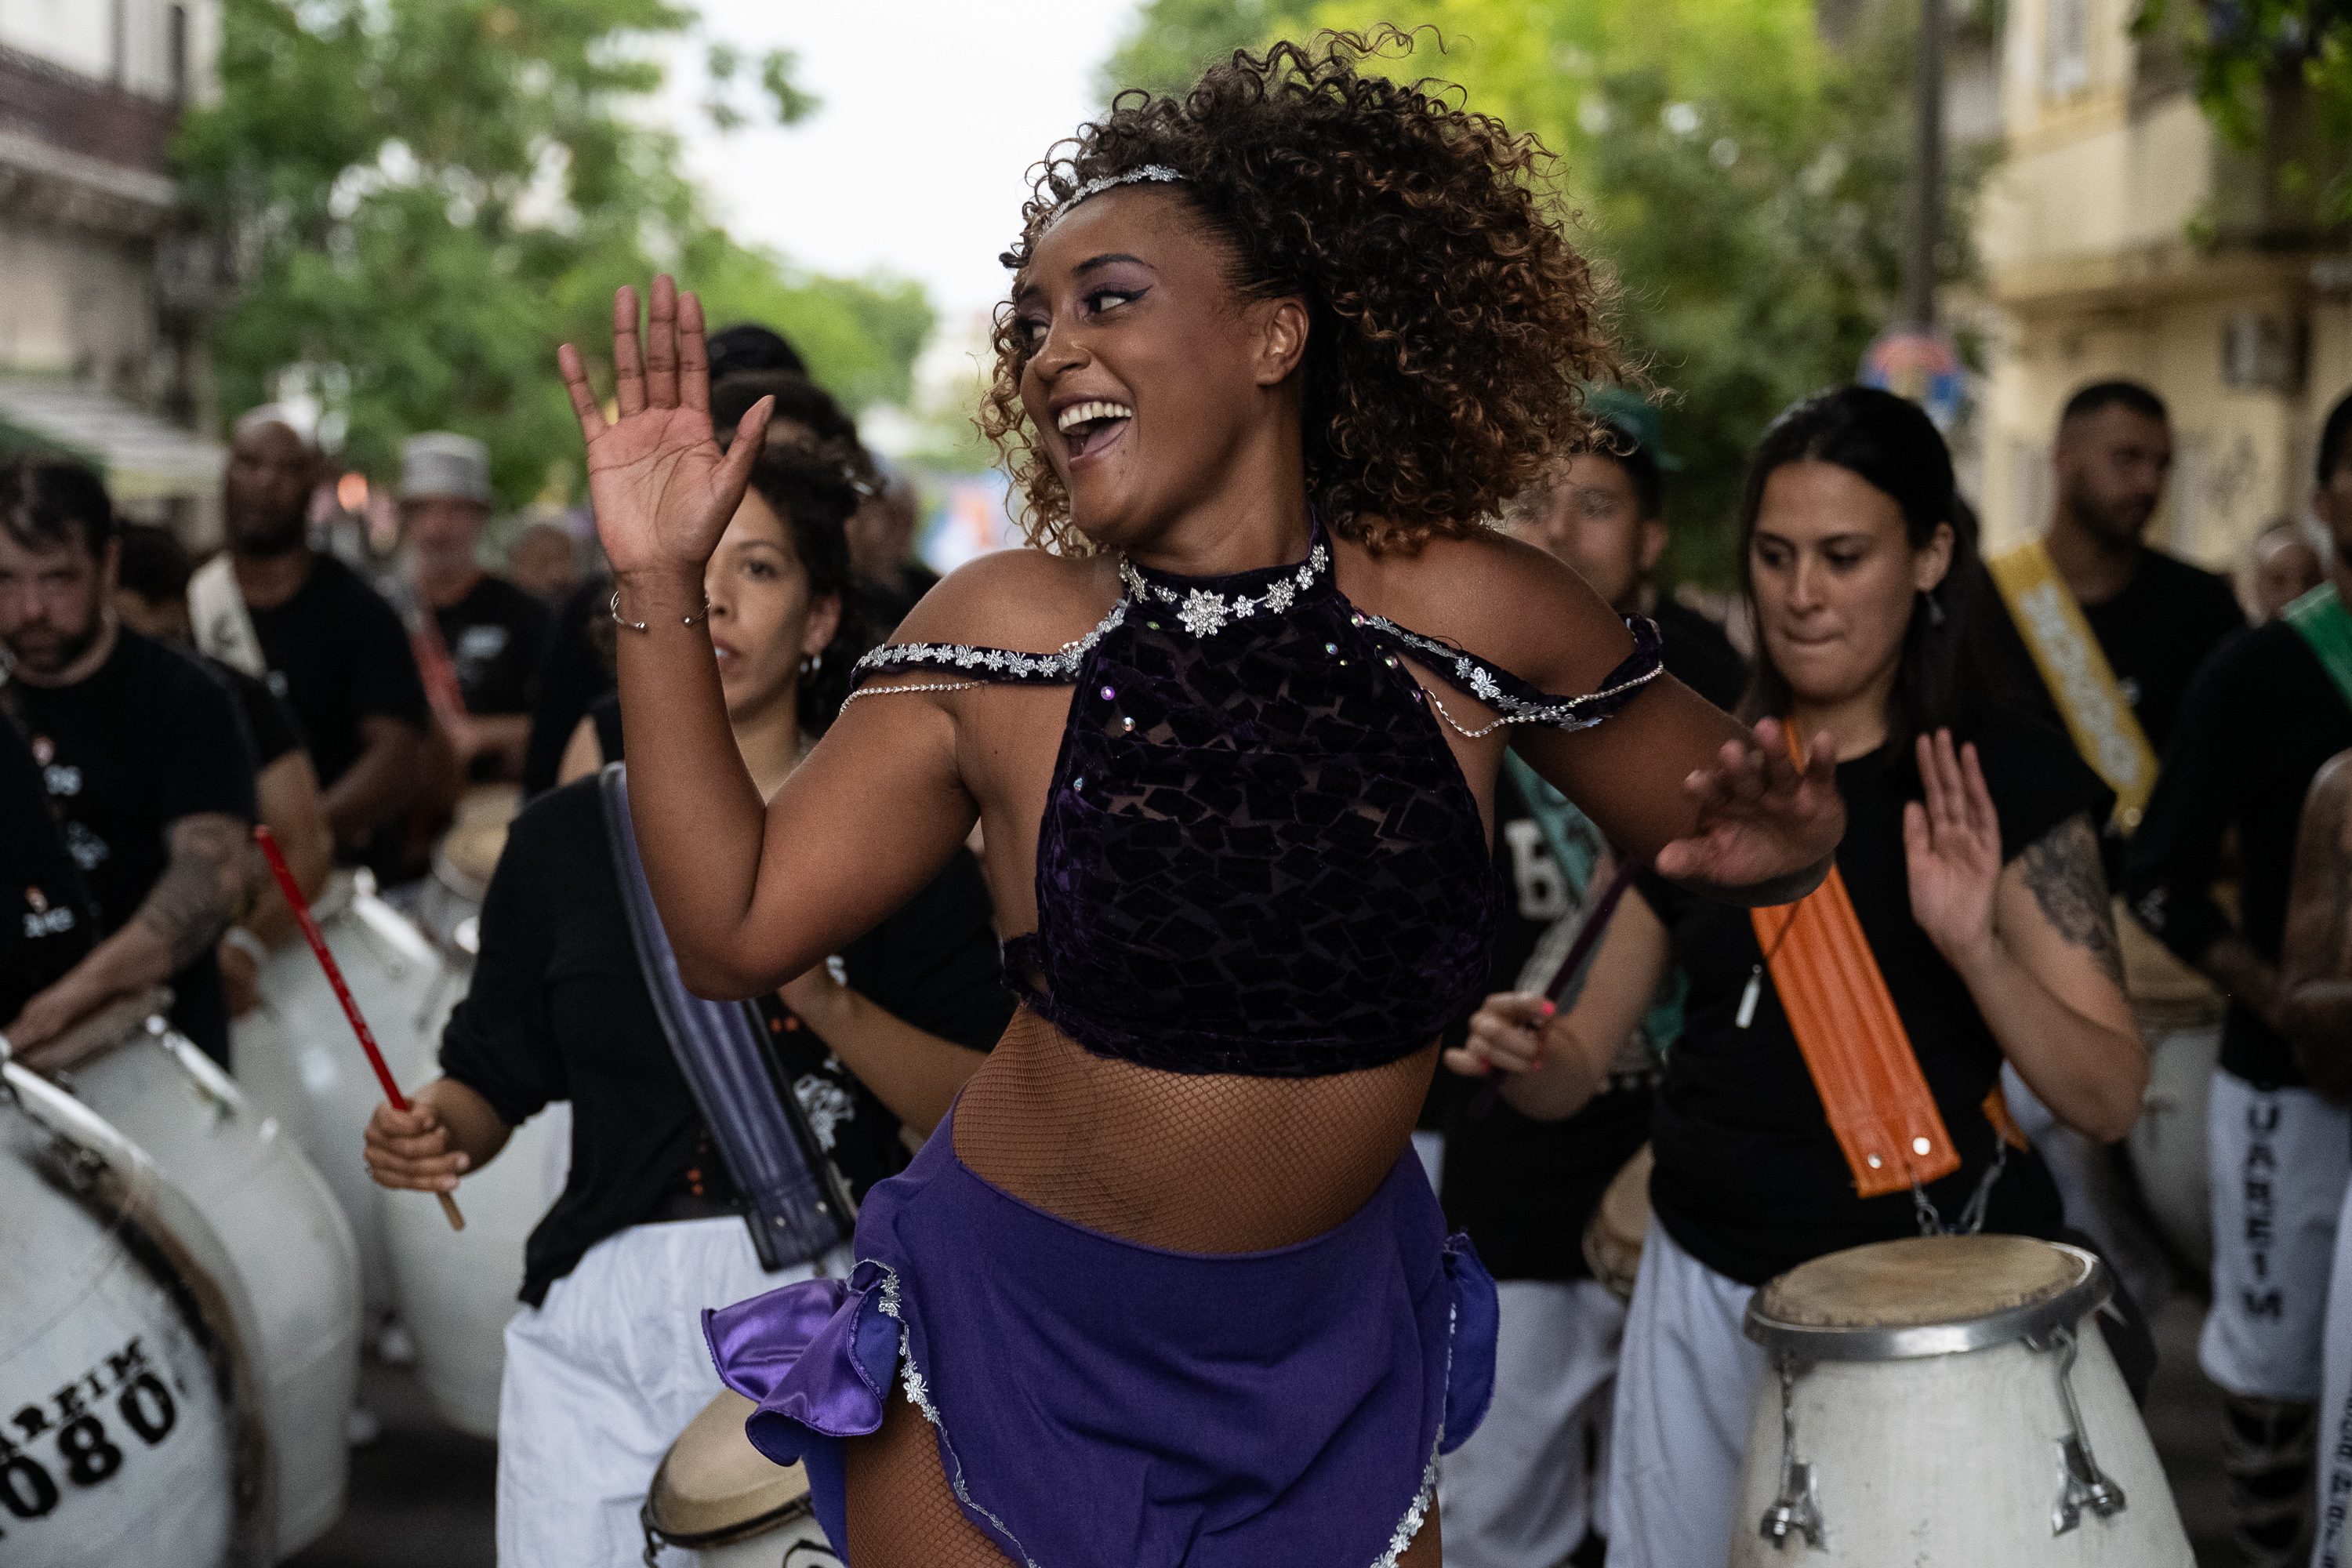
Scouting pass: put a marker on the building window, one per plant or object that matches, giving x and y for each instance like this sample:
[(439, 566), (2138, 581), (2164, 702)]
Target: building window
[(2066, 48)]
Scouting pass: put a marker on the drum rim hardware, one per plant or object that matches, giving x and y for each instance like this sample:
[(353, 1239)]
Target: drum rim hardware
[(2032, 1323), (2081, 1483), (657, 1537), (1797, 1509)]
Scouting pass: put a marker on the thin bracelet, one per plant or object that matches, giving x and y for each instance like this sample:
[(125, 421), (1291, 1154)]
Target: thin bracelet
[(641, 627), (925, 686)]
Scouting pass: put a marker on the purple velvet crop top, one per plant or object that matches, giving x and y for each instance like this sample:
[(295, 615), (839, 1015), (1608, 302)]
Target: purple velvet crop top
[(1259, 855)]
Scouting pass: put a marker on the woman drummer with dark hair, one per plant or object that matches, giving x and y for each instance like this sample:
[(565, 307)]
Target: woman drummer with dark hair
[(1967, 885), (1168, 1286)]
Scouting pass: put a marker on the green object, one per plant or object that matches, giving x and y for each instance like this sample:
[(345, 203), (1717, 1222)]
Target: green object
[(2324, 623), (1638, 416)]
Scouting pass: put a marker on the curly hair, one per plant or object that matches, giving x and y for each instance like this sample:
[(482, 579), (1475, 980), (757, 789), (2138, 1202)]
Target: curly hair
[(1450, 325)]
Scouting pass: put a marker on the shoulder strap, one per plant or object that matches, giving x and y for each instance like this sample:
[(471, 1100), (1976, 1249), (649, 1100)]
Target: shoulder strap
[(2074, 667), (1519, 702), (974, 663), (800, 1207), (224, 627), (2320, 618)]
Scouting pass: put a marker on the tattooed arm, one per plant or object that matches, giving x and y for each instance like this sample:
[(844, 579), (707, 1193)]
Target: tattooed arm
[(2315, 1008), (204, 887)]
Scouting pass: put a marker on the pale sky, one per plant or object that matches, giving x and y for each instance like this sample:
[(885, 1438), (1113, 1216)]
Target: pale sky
[(933, 109)]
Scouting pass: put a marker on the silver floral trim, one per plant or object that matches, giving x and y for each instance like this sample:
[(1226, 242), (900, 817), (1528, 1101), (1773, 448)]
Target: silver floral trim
[(1206, 613), (1561, 712), (1050, 668), (1410, 1526), (918, 1390)]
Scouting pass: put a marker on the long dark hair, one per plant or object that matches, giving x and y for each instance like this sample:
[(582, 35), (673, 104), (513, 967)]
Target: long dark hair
[(814, 497), (1949, 672)]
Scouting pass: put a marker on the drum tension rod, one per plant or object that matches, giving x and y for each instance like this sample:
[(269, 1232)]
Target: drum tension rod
[(2081, 1483), (1797, 1510)]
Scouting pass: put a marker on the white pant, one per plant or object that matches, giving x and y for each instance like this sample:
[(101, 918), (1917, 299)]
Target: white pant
[(2092, 1189), (603, 1377), (1531, 1480), (1687, 1383), (2280, 1161), (2334, 1547)]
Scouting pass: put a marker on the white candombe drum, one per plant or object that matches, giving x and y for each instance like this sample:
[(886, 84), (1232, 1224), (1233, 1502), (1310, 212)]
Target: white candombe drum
[(2167, 1143), (724, 1504), (283, 1229), (134, 1431), (298, 1061), (1946, 1401)]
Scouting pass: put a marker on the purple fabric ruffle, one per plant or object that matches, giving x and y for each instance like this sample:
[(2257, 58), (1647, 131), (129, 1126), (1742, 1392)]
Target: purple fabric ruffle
[(1099, 1400)]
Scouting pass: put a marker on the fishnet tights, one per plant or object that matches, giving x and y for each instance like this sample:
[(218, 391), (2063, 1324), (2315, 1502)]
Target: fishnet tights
[(1190, 1163)]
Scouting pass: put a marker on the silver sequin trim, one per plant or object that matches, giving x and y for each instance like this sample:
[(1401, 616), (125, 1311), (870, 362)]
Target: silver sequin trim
[(890, 658), (920, 1390), (1160, 174), (1410, 1526), (1206, 613), (1566, 713)]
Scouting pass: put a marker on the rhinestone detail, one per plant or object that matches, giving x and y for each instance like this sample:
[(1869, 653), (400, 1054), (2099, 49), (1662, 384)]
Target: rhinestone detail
[(1205, 615)]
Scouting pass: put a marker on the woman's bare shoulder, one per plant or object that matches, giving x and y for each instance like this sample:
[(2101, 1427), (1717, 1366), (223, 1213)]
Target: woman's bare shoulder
[(1508, 602), (1023, 600)]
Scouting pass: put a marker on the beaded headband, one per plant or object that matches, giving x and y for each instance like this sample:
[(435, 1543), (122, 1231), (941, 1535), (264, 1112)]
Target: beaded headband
[(1158, 173)]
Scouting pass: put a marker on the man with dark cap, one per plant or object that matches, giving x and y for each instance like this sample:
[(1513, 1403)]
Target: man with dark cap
[(325, 640), (142, 754)]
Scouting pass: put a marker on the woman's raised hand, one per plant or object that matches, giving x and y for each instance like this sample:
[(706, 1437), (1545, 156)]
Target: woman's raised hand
[(1951, 845), (1762, 820), (662, 491)]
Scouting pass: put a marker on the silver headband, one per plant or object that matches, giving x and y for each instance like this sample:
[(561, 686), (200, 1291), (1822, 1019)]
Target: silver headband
[(1160, 173)]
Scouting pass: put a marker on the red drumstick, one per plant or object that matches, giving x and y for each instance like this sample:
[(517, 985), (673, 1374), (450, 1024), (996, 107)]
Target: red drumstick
[(301, 907)]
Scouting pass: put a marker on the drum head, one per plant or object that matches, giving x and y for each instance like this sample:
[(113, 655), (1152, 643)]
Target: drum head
[(470, 852), (1613, 1237), (1932, 1295), (713, 1487)]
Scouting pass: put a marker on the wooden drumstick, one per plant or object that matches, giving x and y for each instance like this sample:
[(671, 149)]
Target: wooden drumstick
[(311, 933)]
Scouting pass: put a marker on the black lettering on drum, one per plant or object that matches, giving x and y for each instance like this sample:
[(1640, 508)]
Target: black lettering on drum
[(147, 1406), (90, 1457)]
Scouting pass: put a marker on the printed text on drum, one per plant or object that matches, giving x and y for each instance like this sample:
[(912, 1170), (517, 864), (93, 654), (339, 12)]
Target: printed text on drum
[(85, 1452)]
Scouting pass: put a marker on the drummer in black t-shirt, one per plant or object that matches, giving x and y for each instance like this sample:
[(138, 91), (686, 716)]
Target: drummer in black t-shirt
[(607, 1364), (1982, 904), (47, 925), (491, 631), (1523, 1488), (330, 646), (150, 597), (143, 755)]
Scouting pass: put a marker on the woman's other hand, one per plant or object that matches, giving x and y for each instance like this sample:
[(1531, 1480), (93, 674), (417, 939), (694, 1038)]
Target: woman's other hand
[(1759, 815), (662, 491), (1951, 843), (410, 1149), (1507, 1034)]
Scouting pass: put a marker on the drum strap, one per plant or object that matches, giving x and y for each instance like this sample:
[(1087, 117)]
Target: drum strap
[(224, 627), (2074, 667), (2320, 618), (801, 1209)]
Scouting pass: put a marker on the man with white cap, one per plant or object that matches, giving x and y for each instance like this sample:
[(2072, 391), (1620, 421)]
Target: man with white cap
[(490, 630)]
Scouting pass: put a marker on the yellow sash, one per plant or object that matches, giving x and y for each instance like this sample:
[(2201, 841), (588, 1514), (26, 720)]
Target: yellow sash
[(2075, 668)]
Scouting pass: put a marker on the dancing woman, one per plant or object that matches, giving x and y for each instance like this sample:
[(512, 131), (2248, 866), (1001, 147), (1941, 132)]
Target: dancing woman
[(1167, 1287), (1974, 878)]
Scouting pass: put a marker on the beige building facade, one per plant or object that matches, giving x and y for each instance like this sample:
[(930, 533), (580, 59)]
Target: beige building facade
[(2122, 236)]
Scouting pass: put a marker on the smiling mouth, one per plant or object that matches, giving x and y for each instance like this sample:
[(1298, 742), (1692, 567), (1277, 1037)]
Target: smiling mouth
[(1089, 426)]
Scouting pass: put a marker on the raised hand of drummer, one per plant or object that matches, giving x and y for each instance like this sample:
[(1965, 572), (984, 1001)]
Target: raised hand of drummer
[(447, 1130), (1951, 842), (1757, 813), (662, 489)]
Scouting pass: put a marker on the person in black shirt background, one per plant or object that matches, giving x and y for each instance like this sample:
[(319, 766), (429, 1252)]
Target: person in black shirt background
[(2257, 724), (1523, 1488), (1972, 860), (47, 925), (332, 647), (151, 598), (143, 755), (491, 631), (607, 1366)]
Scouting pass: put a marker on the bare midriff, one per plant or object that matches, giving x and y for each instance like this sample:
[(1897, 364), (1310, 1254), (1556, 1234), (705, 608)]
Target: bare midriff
[(1207, 1163)]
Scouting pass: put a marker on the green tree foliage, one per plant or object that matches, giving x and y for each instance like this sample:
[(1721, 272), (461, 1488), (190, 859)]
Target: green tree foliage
[(2275, 77), (421, 197), (1745, 183)]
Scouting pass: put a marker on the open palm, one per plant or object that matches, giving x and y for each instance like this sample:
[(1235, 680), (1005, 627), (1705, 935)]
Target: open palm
[(1762, 818), (662, 489), (1951, 844)]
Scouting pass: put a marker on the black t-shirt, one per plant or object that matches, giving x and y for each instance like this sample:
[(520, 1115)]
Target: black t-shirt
[(2156, 634), (47, 925), (559, 1010), (573, 671), (495, 635), (150, 738), (1749, 1179), (1523, 1189), (2258, 723), (338, 654), (1698, 653), (269, 723)]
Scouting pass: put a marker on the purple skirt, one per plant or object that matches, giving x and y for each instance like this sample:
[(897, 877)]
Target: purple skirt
[(1098, 1401)]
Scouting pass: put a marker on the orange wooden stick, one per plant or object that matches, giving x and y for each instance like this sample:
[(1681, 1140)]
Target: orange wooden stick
[(301, 907)]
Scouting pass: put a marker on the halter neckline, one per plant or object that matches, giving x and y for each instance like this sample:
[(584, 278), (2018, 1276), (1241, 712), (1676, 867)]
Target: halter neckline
[(1206, 605)]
